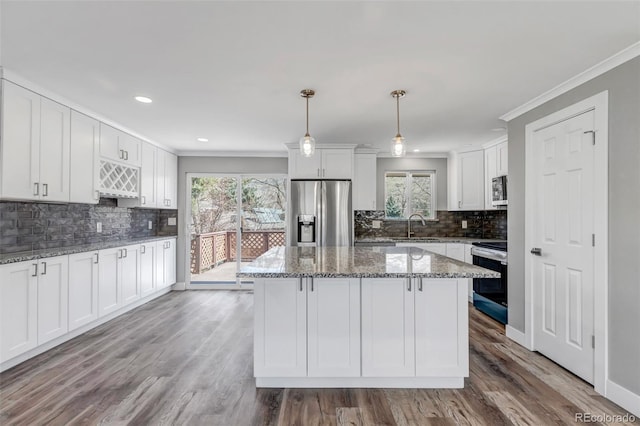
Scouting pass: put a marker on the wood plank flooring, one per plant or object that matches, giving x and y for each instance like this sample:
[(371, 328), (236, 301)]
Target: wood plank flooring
[(186, 359)]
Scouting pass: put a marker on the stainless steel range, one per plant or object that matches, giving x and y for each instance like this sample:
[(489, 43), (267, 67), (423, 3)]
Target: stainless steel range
[(490, 294)]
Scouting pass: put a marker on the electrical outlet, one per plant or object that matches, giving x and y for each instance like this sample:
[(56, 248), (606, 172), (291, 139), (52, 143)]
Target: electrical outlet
[(172, 221), (464, 224), (150, 224), (375, 224), (98, 226)]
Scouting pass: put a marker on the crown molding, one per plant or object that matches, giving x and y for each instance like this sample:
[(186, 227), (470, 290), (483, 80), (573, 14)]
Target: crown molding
[(29, 85), (296, 145), (256, 154), (600, 68), (495, 141), (415, 155)]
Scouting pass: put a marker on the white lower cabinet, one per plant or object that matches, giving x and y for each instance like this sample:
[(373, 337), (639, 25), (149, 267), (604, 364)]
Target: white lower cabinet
[(441, 327), (333, 327), (53, 298), (18, 309), (438, 248), (455, 251), (280, 329), (109, 289), (387, 327), (165, 266), (147, 268), (83, 289), (130, 274)]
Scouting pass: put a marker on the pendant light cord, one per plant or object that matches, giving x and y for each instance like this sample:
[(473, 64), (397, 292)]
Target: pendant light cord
[(398, 113), (307, 134)]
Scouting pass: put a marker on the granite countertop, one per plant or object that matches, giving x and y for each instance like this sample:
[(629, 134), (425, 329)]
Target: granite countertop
[(364, 262), (436, 240), (60, 251)]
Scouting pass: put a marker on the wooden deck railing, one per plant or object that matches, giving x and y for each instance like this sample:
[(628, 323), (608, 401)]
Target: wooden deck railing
[(212, 249)]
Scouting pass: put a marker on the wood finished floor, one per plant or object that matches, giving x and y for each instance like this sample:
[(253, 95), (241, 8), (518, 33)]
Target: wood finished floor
[(186, 359)]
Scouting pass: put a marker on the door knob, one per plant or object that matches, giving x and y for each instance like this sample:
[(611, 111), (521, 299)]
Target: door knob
[(536, 251)]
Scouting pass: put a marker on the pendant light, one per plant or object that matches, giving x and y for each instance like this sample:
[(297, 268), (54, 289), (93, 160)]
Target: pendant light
[(398, 146), (307, 143)]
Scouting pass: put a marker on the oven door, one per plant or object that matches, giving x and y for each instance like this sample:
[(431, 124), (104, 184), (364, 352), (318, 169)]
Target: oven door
[(490, 294)]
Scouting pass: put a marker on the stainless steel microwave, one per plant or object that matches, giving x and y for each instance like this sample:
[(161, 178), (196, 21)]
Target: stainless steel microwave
[(499, 191)]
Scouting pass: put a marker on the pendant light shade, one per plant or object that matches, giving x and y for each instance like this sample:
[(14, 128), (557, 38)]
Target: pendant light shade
[(398, 145), (307, 142)]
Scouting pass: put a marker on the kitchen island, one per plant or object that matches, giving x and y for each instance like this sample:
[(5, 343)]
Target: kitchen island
[(360, 317)]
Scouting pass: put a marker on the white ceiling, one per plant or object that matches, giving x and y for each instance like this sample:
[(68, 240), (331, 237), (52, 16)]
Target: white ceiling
[(232, 71)]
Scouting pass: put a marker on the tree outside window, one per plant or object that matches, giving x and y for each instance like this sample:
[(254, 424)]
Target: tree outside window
[(407, 193)]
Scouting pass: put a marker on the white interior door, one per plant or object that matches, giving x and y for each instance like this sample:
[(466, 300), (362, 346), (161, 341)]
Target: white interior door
[(562, 270)]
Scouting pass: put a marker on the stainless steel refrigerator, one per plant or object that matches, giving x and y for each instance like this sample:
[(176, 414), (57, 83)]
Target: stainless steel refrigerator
[(320, 213)]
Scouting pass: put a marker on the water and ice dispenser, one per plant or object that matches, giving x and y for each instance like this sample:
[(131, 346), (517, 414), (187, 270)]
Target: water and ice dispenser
[(306, 228)]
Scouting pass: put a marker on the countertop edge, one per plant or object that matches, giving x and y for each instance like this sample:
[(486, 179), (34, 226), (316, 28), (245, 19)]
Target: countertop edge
[(10, 258), (365, 275)]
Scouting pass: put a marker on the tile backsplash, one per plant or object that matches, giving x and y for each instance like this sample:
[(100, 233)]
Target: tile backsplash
[(26, 226), (480, 224)]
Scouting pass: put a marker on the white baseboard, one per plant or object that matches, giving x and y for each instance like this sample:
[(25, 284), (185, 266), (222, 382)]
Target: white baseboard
[(517, 336), (179, 286), (623, 397), (361, 382)]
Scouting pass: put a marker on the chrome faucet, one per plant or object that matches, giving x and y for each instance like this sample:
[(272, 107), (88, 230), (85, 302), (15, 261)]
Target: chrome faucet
[(409, 223)]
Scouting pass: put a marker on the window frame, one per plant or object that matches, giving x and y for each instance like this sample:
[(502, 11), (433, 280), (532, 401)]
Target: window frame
[(409, 195)]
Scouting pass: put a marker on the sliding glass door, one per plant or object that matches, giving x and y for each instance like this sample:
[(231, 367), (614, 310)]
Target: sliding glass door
[(233, 220)]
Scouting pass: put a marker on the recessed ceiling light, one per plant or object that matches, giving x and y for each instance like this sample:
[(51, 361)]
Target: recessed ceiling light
[(202, 140), (143, 99), (416, 150), (498, 129), (468, 144)]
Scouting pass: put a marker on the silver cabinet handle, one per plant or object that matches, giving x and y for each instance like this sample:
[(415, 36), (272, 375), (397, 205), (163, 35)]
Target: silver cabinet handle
[(420, 284), (143, 199), (120, 254), (35, 270), (97, 257), (121, 156), (143, 249), (126, 252), (311, 283), (537, 251), (318, 172), (408, 284), (126, 155), (300, 284), (44, 268), (45, 189), (323, 172), (459, 204), (97, 194), (36, 188)]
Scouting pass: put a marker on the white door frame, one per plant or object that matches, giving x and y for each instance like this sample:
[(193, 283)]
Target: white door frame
[(187, 226), (600, 105)]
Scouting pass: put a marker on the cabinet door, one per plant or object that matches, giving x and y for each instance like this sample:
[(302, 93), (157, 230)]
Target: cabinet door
[(337, 163), (83, 159), (333, 327), (170, 262), (305, 167), (502, 159), (171, 180), (455, 251), (147, 268), (109, 291), (53, 298), (161, 161), (130, 274), (441, 328), (18, 309), (131, 147), (364, 182), (280, 338), (20, 171), (468, 258), (387, 328), (110, 143), (83, 289), (55, 142), (160, 270), (148, 175), (470, 183), (490, 171)]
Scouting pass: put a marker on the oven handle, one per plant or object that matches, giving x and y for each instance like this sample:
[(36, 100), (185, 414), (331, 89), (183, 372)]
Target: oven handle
[(489, 254)]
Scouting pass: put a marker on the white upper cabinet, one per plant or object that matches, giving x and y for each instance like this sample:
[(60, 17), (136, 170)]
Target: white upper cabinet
[(325, 163), (148, 175), (466, 181), (495, 164), (35, 146), (364, 181), (158, 180), (167, 180), (119, 146), (83, 167)]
